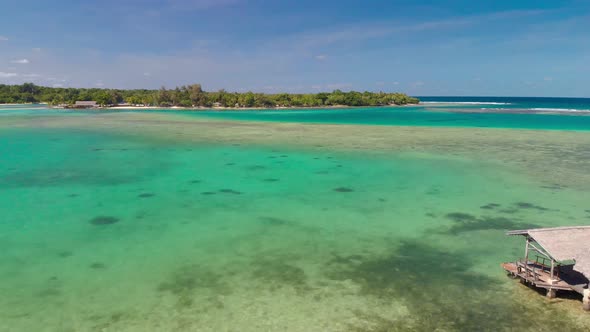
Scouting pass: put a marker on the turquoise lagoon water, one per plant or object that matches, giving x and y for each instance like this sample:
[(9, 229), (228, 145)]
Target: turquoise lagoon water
[(411, 116), (488, 112), (109, 232), (493, 112)]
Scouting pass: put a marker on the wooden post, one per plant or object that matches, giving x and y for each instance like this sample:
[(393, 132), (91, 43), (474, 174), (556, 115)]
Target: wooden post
[(551, 293), (526, 257), (586, 300), (526, 251)]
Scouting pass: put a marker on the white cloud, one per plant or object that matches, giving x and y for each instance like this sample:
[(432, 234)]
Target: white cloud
[(3, 38), (7, 75), (36, 49), (21, 61), (99, 84), (548, 79), (31, 75), (339, 86), (146, 74), (321, 57)]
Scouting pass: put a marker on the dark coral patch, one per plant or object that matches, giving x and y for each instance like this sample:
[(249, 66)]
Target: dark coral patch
[(104, 220), (468, 223), (230, 191), (461, 217), (256, 168), (439, 289), (193, 278), (490, 206), (196, 181), (489, 223), (398, 272), (49, 292), (146, 195), (207, 193), (277, 273), (271, 180), (97, 266), (424, 278), (64, 254), (525, 205), (554, 187), (343, 190), (230, 164), (274, 221)]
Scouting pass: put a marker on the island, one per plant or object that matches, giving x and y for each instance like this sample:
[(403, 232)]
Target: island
[(193, 96)]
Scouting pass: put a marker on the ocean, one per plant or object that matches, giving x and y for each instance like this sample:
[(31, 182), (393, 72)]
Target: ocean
[(515, 103), (326, 220), (493, 112)]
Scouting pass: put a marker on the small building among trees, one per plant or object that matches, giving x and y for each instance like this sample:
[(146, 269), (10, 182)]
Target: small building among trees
[(85, 104)]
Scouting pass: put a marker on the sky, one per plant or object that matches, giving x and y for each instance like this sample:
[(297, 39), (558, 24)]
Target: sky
[(442, 48)]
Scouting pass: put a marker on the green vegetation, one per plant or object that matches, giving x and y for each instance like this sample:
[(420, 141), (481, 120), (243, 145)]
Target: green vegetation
[(194, 96)]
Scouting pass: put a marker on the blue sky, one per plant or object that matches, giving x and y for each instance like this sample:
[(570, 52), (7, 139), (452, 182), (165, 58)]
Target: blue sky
[(453, 47)]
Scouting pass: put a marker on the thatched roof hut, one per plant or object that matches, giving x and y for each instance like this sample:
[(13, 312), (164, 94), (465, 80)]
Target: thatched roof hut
[(555, 259), (85, 104), (563, 244)]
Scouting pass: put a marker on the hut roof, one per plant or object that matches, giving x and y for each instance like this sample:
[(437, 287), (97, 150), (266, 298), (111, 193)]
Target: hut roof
[(85, 103), (563, 244)]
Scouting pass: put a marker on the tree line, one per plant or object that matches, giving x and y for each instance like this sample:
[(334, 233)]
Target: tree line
[(194, 96)]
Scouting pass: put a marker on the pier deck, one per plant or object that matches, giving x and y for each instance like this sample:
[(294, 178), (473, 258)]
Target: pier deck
[(555, 259)]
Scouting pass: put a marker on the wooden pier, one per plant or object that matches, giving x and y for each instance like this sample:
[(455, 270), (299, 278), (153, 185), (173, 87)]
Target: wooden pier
[(556, 259)]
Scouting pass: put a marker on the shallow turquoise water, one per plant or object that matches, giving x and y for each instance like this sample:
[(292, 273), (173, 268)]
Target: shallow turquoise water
[(118, 233), (400, 116), (411, 116)]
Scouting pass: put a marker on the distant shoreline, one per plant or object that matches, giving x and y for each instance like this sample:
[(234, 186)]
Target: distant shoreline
[(428, 106), (203, 108), (252, 108)]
